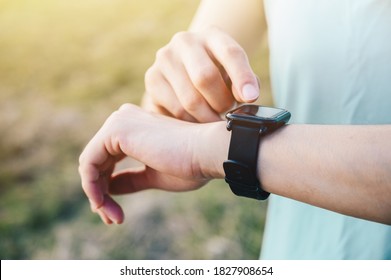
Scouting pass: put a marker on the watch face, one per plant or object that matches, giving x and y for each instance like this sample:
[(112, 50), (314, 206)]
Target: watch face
[(255, 113), (258, 111)]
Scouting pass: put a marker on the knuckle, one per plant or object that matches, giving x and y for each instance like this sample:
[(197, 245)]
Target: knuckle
[(163, 53), (150, 76), (234, 51), (154, 81), (122, 110), (191, 102), (203, 77), (182, 37), (126, 106), (178, 41), (179, 112)]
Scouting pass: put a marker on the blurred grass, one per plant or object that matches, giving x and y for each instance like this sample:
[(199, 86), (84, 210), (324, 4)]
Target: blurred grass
[(64, 66)]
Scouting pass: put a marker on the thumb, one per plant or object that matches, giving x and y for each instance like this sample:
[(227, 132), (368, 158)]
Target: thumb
[(135, 180), (129, 181)]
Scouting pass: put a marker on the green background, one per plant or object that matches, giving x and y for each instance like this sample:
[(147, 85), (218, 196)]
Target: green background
[(64, 66)]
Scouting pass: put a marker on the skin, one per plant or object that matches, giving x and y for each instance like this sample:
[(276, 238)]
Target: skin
[(127, 132), (197, 76), (346, 169), (201, 73)]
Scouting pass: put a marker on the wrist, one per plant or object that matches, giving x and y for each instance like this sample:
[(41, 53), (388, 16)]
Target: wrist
[(272, 149), (212, 149)]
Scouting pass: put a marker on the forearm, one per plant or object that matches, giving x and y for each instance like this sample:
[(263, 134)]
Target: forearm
[(242, 20), (346, 169)]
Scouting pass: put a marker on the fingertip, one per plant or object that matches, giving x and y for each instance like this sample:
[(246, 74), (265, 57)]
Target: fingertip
[(113, 210)]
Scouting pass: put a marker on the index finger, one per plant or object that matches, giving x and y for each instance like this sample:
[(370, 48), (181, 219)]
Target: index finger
[(235, 62)]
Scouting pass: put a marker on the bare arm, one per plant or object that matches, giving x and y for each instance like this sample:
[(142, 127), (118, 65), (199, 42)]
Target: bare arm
[(346, 169), (342, 168), (244, 21)]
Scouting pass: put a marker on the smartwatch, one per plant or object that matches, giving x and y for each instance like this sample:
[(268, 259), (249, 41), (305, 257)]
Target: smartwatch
[(248, 124)]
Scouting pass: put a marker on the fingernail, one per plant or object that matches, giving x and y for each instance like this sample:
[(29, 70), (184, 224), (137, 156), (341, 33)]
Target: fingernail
[(250, 93)]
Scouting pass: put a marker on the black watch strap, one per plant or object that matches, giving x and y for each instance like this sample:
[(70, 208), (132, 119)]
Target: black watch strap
[(240, 168)]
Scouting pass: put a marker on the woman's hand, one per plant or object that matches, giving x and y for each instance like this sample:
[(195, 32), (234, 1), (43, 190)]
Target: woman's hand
[(198, 76), (178, 156)]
